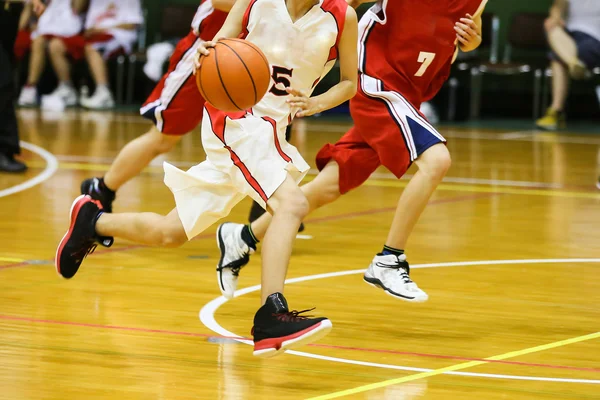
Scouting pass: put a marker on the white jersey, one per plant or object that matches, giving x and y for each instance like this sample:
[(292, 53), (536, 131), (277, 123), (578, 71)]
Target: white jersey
[(108, 14), (301, 53), (59, 19), (208, 20), (584, 16)]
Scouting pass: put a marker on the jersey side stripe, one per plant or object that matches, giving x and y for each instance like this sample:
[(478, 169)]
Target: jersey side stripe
[(370, 87), (204, 11)]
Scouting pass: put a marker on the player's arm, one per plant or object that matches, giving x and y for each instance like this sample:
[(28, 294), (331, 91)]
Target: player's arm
[(468, 32), (346, 88), (223, 5), (230, 29)]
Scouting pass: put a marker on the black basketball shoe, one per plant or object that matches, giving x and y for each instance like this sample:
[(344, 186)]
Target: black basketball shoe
[(276, 329), (97, 190), (81, 238)]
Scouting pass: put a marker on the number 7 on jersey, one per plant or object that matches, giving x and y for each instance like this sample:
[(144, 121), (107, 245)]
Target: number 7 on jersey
[(425, 58)]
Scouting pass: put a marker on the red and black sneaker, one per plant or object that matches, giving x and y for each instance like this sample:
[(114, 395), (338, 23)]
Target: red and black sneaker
[(81, 238), (276, 329), (96, 188)]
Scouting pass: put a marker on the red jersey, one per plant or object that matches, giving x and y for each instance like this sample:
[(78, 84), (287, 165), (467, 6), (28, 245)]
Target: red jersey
[(410, 45), (208, 20)]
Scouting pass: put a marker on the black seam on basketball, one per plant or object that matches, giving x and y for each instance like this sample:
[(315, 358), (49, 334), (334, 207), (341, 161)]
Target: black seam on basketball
[(221, 79), (203, 92), (247, 70), (253, 48)]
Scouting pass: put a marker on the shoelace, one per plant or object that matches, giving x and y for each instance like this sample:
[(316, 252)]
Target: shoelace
[(404, 274), (235, 271), (292, 316), (87, 247)]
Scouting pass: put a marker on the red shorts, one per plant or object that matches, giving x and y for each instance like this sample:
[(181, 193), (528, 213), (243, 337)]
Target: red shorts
[(175, 105), (75, 45), (22, 44), (387, 131)]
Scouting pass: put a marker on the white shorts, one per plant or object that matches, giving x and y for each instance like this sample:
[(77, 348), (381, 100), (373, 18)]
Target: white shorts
[(246, 156)]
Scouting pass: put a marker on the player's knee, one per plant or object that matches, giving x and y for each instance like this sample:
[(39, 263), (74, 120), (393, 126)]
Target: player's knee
[(437, 162), (161, 143), (295, 203), (442, 163), (172, 238)]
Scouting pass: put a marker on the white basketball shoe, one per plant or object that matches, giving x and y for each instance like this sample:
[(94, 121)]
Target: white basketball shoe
[(391, 273), (235, 254)]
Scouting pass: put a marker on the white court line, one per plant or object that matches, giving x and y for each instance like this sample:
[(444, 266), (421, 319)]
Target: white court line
[(51, 168), (207, 317)]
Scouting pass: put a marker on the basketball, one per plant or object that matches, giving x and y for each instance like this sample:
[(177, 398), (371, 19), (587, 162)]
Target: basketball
[(234, 76)]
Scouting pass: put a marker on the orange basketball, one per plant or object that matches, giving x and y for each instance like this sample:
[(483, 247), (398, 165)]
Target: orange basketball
[(234, 76)]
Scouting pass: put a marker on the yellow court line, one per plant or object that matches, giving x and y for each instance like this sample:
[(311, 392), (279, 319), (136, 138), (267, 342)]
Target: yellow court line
[(12, 259), (456, 367), (386, 183)]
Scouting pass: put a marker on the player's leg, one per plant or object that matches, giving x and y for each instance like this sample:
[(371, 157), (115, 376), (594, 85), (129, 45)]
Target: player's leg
[(37, 62), (289, 207), (102, 97), (256, 210), (344, 166), (400, 134), (433, 165), (91, 225), (322, 190), (136, 155), (264, 166), (203, 195), (175, 108)]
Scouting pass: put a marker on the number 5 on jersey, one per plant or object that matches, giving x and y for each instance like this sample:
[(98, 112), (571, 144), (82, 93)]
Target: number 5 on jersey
[(425, 58), (281, 77)]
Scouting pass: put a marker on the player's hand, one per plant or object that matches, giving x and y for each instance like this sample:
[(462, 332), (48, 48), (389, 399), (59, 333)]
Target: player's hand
[(38, 7), (468, 33), (299, 99), (202, 51)]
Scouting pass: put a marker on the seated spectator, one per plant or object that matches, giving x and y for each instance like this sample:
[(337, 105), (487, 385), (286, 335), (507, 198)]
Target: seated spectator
[(573, 30), (59, 26), (110, 28)]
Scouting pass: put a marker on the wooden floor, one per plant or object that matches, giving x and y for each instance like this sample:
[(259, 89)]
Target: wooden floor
[(127, 326)]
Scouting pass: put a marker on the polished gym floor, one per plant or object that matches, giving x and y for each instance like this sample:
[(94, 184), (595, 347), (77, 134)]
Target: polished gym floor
[(508, 250)]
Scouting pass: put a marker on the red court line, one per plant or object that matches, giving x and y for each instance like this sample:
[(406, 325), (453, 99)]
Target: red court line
[(317, 345), (308, 221)]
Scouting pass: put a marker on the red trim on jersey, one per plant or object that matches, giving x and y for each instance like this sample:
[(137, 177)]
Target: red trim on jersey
[(247, 174), (246, 20), (337, 9), (218, 120), (276, 139)]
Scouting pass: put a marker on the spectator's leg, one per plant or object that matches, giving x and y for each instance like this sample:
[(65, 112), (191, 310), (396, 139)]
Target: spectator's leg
[(97, 66), (60, 63), (565, 48), (560, 86), (102, 98), (37, 61), (555, 116)]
